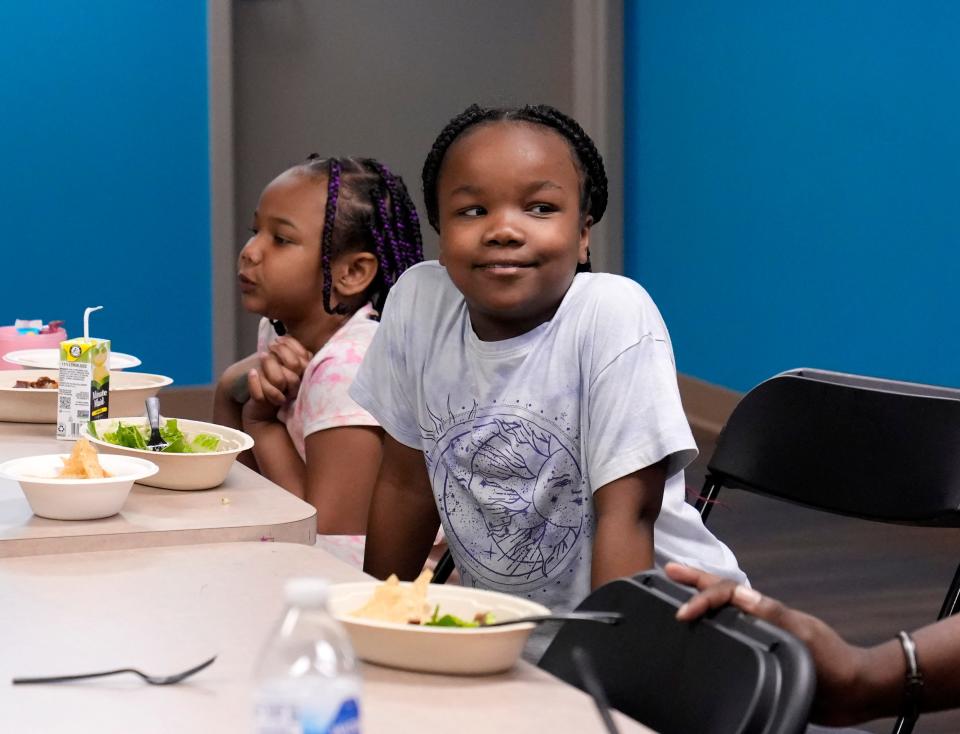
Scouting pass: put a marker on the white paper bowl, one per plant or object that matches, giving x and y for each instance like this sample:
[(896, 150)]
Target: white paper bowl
[(49, 359), (128, 390), (75, 499), (180, 471), (470, 651)]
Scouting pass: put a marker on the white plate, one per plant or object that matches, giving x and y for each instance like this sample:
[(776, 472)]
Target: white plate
[(49, 359), (128, 390), (56, 498), (469, 651), (180, 471)]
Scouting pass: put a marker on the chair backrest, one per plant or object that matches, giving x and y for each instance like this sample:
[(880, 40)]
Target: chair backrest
[(865, 447), (728, 673)]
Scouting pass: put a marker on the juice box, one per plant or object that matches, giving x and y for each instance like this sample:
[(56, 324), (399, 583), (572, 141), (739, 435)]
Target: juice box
[(84, 392)]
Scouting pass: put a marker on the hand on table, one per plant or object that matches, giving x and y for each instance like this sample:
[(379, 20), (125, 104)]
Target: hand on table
[(839, 665)]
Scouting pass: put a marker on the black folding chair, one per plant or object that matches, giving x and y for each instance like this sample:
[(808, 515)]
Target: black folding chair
[(444, 568), (859, 446), (728, 673)]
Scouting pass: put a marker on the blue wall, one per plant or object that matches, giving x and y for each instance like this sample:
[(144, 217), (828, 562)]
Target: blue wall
[(104, 195), (793, 184)]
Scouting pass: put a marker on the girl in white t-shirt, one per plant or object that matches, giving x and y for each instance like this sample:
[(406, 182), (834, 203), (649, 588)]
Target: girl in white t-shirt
[(329, 238), (530, 406)]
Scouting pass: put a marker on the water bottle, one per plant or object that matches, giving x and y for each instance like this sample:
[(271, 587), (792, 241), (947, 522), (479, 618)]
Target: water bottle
[(307, 677)]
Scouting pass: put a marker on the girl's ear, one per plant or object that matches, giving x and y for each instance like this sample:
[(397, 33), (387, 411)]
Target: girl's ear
[(352, 274), (584, 244)]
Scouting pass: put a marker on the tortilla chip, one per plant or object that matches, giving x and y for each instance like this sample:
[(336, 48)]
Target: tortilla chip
[(82, 463), (392, 602)]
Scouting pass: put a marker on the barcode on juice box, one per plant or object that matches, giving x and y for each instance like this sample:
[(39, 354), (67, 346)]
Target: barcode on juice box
[(64, 402)]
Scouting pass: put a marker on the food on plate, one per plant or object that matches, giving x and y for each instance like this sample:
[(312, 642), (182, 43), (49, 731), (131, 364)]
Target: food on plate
[(82, 463), (136, 437), (449, 620), (41, 383), (394, 602)]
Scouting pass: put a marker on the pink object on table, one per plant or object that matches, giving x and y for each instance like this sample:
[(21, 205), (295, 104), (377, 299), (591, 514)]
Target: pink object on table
[(11, 341)]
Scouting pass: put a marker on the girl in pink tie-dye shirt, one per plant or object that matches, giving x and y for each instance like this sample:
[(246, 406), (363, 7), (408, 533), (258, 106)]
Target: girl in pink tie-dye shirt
[(329, 238)]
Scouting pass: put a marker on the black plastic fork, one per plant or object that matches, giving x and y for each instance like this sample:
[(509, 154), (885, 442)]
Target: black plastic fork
[(154, 680), (156, 442)]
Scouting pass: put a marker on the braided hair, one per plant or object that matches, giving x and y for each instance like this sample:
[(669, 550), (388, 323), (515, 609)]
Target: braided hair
[(586, 158), (366, 204)]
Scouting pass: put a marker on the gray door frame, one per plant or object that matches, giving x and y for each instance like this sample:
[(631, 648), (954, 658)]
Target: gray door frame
[(598, 105)]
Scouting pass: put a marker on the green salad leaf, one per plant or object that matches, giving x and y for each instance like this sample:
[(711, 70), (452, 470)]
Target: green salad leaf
[(449, 620), (136, 437), (204, 442)]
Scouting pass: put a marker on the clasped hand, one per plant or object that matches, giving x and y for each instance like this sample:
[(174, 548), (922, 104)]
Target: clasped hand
[(276, 380)]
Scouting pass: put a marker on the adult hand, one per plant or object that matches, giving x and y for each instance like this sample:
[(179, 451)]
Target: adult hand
[(840, 667)]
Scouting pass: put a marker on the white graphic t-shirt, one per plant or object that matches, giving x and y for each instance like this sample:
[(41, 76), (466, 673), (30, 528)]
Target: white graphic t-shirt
[(518, 434)]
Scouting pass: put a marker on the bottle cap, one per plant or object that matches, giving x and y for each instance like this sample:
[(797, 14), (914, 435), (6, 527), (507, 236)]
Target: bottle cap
[(306, 592)]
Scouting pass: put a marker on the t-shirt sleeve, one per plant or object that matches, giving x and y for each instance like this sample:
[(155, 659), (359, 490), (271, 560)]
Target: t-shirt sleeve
[(327, 402), (383, 384), (266, 335), (636, 417)]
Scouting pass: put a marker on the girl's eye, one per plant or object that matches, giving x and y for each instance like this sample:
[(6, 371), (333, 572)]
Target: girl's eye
[(543, 208), (281, 240), (473, 211)]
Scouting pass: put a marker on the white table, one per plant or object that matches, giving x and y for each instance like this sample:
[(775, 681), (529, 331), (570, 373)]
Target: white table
[(165, 609), (246, 506)]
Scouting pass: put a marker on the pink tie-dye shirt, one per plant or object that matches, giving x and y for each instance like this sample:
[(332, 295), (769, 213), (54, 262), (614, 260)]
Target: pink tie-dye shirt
[(323, 401)]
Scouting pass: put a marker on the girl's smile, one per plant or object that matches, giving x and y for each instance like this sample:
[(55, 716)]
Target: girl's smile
[(511, 230)]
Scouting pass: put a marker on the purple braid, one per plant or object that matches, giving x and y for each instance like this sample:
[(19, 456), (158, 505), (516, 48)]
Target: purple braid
[(381, 253), (386, 223), (411, 248), (326, 240), (369, 209)]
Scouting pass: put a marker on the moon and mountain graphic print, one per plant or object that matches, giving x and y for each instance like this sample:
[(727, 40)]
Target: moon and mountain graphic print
[(509, 482)]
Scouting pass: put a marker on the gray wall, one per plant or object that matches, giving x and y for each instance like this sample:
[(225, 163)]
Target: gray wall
[(381, 78)]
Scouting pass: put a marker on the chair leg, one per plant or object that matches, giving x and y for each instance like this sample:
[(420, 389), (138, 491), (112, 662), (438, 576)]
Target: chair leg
[(951, 602), (708, 495), (904, 725), (444, 568)]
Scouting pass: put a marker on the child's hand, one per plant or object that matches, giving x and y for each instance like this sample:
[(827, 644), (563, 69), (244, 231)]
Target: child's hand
[(276, 380), (839, 665), (265, 400), (290, 354), (281, 368)]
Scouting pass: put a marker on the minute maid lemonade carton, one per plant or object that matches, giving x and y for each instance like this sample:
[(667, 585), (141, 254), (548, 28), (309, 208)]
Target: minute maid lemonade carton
[(84, 392)]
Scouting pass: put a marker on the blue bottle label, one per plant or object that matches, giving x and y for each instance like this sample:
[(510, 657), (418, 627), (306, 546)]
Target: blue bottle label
[(347, 721)]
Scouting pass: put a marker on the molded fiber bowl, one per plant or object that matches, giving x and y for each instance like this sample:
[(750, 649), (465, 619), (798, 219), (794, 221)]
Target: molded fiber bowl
[(460, 651), (180, 471), (76, 499), (128, 390)]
